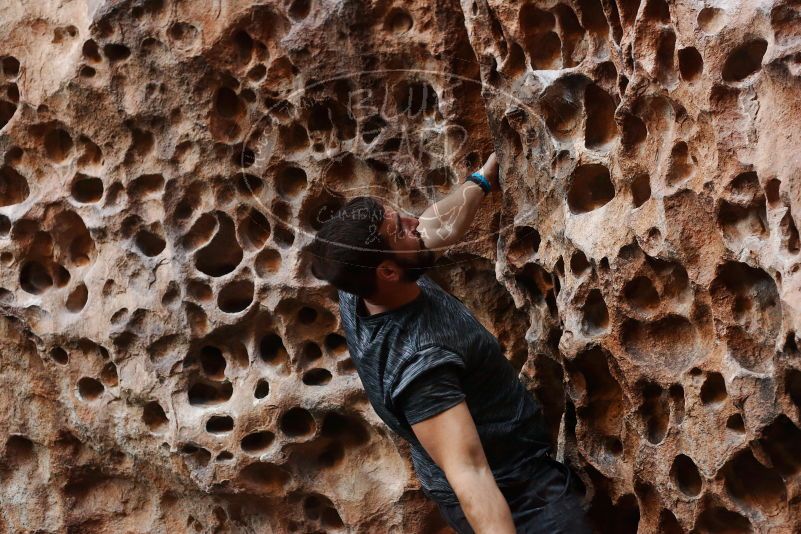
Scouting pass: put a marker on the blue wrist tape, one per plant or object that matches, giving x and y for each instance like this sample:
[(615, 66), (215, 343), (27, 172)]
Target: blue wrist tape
[(482, 182)]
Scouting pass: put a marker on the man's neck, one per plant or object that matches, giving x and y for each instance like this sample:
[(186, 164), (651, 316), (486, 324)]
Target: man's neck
[(394, 299)]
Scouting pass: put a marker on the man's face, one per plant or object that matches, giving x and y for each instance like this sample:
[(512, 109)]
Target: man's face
[(400, 234)]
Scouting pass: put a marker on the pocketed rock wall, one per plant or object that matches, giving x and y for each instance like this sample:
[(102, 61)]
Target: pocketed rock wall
[(171, 365)]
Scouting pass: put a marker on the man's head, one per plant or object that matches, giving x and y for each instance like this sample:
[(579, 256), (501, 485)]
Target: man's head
[(367, 248)]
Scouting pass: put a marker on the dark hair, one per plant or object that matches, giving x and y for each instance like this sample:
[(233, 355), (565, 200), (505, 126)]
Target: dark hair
[(348, 248)]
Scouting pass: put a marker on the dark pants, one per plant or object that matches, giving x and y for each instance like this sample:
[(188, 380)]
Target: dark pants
[(549, 502)]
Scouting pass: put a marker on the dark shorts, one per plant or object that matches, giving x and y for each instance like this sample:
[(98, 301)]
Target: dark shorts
[(549, 502)]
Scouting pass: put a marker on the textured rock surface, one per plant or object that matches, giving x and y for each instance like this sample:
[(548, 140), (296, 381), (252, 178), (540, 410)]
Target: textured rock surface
[(170, 365)]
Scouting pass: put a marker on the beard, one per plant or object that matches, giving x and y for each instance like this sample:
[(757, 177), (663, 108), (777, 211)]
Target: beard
[(415, 266)]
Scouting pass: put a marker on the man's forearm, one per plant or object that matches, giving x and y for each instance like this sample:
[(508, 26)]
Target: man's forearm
[(447, 221), (482, 502)]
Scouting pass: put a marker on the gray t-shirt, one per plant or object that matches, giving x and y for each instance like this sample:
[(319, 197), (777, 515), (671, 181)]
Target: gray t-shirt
[(393, 348)]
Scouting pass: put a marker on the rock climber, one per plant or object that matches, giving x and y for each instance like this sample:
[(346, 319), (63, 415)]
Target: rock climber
[(435, 375)]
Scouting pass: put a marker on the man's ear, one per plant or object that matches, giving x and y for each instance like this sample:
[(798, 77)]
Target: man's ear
[(388, 271)]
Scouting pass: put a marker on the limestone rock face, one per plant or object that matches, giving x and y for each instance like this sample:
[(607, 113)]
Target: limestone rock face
[(170, 363)]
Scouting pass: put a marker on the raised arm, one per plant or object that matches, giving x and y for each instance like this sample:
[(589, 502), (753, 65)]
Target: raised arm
[(445, 222), (452, 441)]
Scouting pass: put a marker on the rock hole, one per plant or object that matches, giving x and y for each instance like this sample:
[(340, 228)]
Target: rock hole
[(19, 450), (89, 388), (297, 422), (209, 393), (34, 278), (59, 355), (595, 314), (676, 393), (691, 64), (331, 456), (753, 484), (154, 417), (10, 66), (58, 145), (536, 281), (655, 413), (640, 189), (227, 104), (222, 254), (87, 189), (680, 167), (283, 236), (592, 16), (307, 315), (739, 222), (213, 362), (398, 20), (219, 424), (347, 430), (634, 131), (603, 397), (590, 188), (789, 234), (317, 377), (243, 45), (200, 232), (657, 10), (685, 476), (578, 263), (711, 19), (412, 99), (641, 294), (199, 455), (77, 299), (561, 105), (671, 341), (310, 353), (249, 185), (254, 230), (291, 181), (736, 424), (149, 244), (7, 111), (719, 519), (299, 9), (772, 192), (744, 60), (526, 243), (257, 441), (294, 137), (265, 476), (235, 296), (267, 263), (198, 290), (782, 441), (600, 128), (262, 389), (145, 185), (116, 52), (574, 48), (335, 344), (182, 33), (271, 349), (792, 386)]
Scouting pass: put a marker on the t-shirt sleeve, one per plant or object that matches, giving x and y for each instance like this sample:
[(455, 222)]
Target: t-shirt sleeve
[(431, 393), (422, 363)]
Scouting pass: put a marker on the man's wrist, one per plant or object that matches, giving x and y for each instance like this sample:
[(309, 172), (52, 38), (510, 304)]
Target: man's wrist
[(481, 181)]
